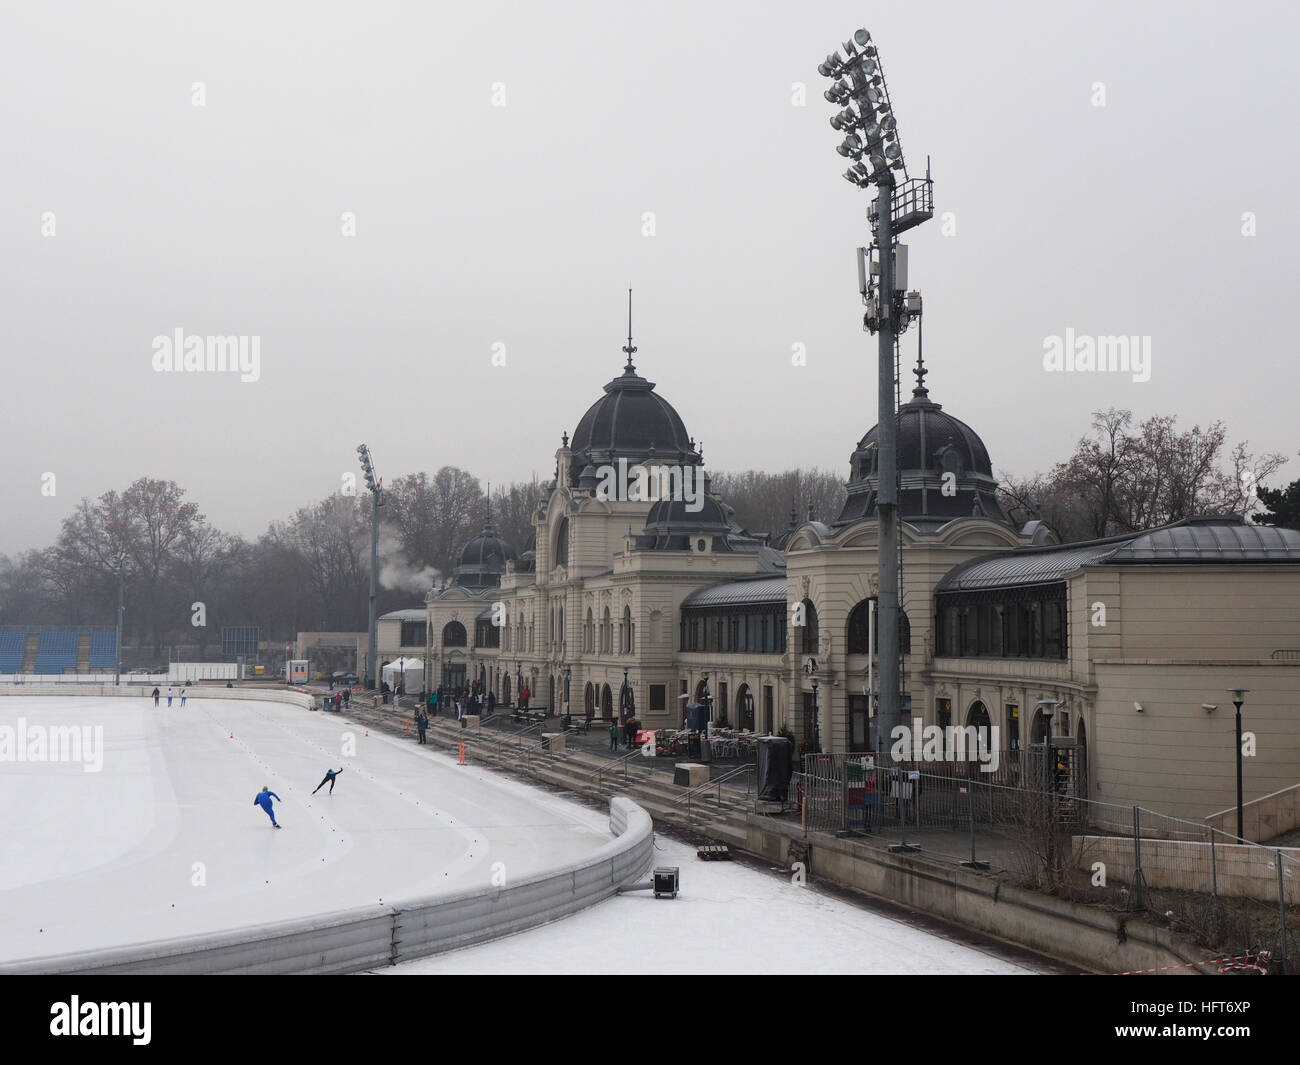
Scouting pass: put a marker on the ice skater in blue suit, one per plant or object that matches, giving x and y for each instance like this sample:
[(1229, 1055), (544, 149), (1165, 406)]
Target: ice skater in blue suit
[(263, 799)]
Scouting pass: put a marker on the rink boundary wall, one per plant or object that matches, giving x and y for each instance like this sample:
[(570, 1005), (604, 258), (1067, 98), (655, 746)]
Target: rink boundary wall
[(293, 696), (349, 941)]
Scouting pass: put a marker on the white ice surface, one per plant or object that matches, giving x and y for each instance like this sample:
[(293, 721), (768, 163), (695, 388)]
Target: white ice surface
[(728, 918), (89, 860)]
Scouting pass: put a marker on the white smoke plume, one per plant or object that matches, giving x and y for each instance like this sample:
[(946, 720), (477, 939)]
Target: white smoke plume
[(396, 573)]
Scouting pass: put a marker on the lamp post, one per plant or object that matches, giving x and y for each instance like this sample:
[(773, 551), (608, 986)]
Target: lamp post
[(810, 667), (376, 486), (871, 141), (1237, 699)]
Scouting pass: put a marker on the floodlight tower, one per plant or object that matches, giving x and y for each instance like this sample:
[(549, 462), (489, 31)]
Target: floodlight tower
[(871, 141), (376, 486)]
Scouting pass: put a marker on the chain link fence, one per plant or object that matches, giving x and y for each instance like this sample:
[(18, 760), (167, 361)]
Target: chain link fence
[(1019, 814)]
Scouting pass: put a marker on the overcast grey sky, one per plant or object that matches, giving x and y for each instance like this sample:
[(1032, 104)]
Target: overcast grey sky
[(523, 225)]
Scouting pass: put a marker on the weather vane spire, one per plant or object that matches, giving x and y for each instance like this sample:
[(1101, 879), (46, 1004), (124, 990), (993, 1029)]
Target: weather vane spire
[(630, 350)]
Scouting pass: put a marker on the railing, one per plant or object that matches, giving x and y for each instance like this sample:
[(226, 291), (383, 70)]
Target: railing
[(745, 770), (614, 764)]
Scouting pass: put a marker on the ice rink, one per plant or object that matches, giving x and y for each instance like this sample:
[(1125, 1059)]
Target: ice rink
[(165, 841)]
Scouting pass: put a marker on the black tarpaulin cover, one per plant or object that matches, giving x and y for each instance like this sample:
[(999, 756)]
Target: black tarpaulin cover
[(775, 757)]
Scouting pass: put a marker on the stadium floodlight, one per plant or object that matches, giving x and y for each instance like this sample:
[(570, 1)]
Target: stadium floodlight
[(899, 205), (376, 486)]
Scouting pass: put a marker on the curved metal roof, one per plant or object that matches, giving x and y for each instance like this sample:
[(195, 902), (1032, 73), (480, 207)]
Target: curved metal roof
[(411, 614), (1211, 539), (739, 593)]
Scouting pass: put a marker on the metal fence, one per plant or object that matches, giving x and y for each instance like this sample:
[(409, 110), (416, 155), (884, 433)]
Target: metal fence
[(1026, 819)]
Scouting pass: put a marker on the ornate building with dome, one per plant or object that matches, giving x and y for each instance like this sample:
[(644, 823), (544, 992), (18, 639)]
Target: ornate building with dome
[(638, 605)]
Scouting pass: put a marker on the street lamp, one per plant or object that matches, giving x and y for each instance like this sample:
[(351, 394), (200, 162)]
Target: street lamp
[(810, 667), (376, 486), (871, 142), (1237, 699)]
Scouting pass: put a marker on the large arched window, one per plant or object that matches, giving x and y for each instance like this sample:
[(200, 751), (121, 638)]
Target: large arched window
[(589, 634), (561, 554), (811, 635), (628, 635), (859, 638), (454, 635), (607, 634)]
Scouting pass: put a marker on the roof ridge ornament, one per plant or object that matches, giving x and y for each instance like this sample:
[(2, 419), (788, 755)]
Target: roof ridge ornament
[(630, 350)]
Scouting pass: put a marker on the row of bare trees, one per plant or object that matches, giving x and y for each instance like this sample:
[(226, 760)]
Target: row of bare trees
[(1123, 478), (311, 571)]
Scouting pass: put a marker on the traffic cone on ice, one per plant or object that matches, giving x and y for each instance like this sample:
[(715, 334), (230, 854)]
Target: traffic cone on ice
[(408, 726)]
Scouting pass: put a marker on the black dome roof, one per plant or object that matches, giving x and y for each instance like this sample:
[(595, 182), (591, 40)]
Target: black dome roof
[(931, 444), (630, 421), (483, 559)]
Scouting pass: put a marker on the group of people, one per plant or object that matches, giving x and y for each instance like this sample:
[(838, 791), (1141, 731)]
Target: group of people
[(337, 701), (464, 700), (157, 694), (629, 728)]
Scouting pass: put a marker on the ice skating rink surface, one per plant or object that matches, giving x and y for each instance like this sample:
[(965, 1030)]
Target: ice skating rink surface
[(165, 841)]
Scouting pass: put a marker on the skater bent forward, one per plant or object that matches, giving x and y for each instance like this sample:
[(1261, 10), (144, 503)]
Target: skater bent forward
[(263, 799)]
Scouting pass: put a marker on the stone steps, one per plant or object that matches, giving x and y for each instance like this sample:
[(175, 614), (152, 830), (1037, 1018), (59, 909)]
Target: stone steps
[(576, 771)]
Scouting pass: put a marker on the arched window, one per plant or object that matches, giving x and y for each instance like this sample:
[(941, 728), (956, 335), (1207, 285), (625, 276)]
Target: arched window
[(607, 703), (454, 635), (607, 634), (559, 636), (977, 717), (627, 634), (561, 554), (589, 634), (859, 622), (811, 635), (857, 631)]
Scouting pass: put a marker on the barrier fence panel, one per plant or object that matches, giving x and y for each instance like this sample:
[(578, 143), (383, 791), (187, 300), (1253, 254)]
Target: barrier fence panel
[(1027, 816)]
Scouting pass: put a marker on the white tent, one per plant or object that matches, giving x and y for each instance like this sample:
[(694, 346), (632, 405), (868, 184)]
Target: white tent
[(407, 673)]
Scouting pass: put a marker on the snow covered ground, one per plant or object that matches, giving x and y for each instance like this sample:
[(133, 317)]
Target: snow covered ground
[(728, 918), (164, 840)]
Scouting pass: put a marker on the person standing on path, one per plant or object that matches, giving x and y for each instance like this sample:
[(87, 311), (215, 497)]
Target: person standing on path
[(263, 799), (185, 694), (169, 697), (421, 724), (156, 695), (613, 735)]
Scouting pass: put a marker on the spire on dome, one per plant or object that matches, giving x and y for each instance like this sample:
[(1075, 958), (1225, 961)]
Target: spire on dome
[(630, 350)]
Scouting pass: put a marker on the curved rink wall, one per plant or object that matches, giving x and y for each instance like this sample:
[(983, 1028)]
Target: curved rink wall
[(347, 941)]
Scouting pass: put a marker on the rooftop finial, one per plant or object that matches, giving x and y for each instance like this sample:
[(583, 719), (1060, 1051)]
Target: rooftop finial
[(631, 348), (920, 371)]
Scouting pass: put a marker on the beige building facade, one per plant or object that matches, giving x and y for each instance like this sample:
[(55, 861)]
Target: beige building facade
[(625, 603)]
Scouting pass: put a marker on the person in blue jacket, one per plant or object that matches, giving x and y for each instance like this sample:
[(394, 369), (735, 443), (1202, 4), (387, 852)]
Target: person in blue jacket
[(263, 799)]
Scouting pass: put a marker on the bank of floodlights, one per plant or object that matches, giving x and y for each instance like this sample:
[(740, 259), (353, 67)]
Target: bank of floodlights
[(368, 468), (866, 116)]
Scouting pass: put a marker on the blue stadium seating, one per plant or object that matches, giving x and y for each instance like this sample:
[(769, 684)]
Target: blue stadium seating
[(12, 645), (103, 649), (57, 651)]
